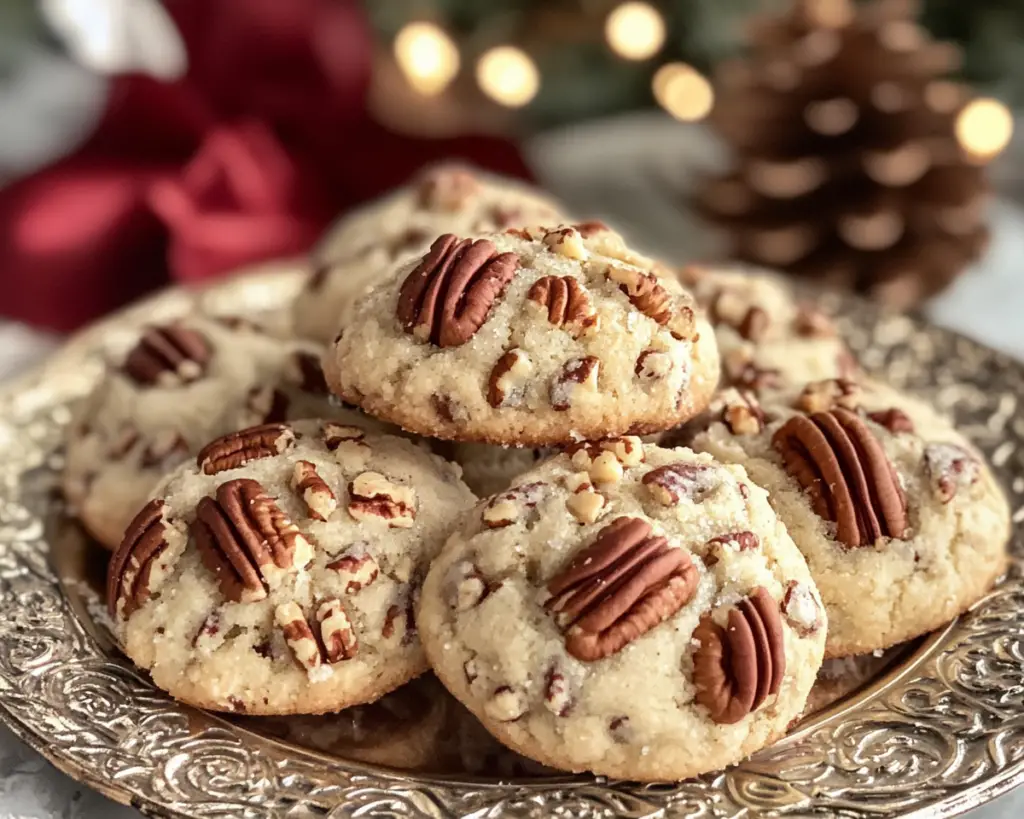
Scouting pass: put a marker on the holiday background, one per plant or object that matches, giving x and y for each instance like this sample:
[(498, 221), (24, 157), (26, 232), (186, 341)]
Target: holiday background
[(146, 143)]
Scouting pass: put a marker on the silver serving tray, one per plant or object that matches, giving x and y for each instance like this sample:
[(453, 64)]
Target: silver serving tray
[(936, 728)]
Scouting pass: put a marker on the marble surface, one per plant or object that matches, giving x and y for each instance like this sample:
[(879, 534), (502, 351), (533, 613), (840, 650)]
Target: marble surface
[(646, 161)]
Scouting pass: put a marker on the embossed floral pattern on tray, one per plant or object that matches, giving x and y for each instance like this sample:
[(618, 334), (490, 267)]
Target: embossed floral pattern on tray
[(942, 734)]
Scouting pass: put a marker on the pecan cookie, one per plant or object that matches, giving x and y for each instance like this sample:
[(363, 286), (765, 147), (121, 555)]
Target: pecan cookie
[(766, 337), (902, 523), (167, 391), (532, 337), (626, 609), (277, 574), (365, 246)]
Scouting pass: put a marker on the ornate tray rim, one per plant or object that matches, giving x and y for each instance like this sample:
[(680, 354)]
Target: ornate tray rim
[(942, 735)]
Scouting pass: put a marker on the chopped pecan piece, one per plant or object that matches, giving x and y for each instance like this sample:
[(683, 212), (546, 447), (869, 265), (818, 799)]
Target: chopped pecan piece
[(577, 374), (893, 419), (566, 241), (739, 370), (742, 412), (239, 448), (755, 324), (447, 189), (628, 451), (510, 506), (449, 294), (566, 302), (507, 704), (558, 697), (738, 667), (620, 587), (399, 621), (336, 632), (244, 539), (299, 637), (357, 568), (801, 609), (844, 470), (585, 503), (672, 483), (649, 297), (821, 396), (313, 490), (507, 383), (653, 365), (135, 570), (168, 355), (951, 468), (745, 541), (373, 497), (468, 588)]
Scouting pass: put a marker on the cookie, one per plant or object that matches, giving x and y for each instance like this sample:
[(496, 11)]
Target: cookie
[(767, 338), (168, 390), (365, 246), (533, 337), (625, 609), (902, 523), (277, 574)]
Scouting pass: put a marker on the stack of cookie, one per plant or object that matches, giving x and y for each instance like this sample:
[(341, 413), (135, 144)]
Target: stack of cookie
[(689, 494)]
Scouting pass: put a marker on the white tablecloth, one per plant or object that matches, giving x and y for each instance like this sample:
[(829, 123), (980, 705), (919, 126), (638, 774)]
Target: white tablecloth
[(635, 156)]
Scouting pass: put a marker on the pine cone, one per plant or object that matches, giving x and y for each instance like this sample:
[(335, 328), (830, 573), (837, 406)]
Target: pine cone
[(846, 163)]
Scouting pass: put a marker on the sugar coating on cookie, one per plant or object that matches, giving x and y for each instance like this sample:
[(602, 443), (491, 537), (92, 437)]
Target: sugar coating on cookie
[(277, 574), (531, 337), (169, 389), (767, 338), (902, 523), (626, 609), (366, 245)]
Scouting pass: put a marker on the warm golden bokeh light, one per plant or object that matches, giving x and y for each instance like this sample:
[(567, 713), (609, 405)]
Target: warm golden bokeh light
[(984, 128), (635, 30), (427, 57), (507, 75), (682, 91)]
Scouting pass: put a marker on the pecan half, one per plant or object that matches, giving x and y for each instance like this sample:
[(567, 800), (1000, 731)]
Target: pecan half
[(507, 383), (135, 571), (821, 396), (357, 568), (511, 505), (239, 448), (842, 467), (449, 294), (738, 667), (648, 296), (336, 632), (244, 539), (566, 302), (313, 490), (951, 468), (374, 497), (672, 483), (893, 419), (168, 355), (577, 374), (619, 588), (801, 609)]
